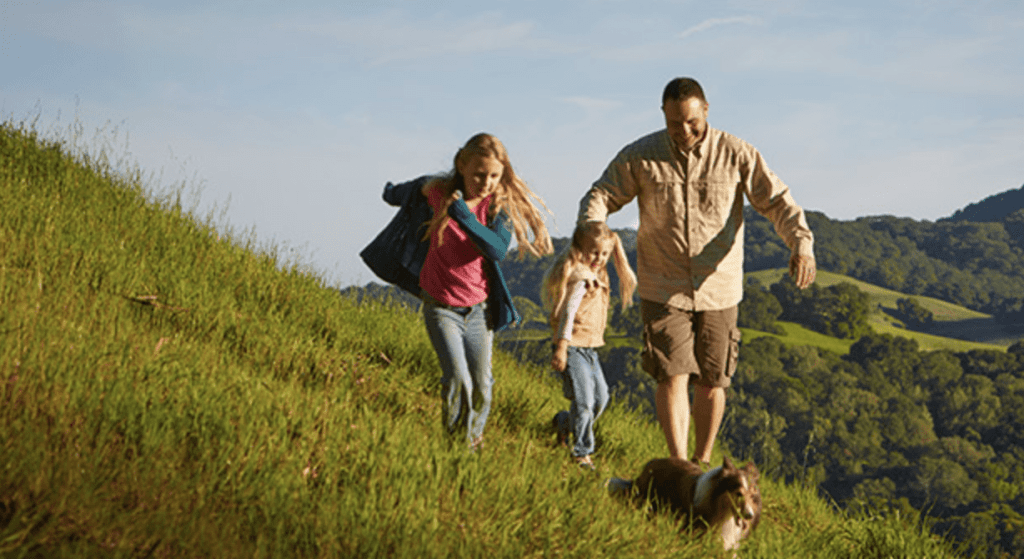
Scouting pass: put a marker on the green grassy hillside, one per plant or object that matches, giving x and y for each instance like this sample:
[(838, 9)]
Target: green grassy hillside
[(169, 388)]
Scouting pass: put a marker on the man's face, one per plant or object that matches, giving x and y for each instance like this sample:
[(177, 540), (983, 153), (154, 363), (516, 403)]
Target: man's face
[(686, 120)]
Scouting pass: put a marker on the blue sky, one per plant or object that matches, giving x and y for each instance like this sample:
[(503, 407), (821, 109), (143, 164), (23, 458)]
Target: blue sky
[(293, 115)]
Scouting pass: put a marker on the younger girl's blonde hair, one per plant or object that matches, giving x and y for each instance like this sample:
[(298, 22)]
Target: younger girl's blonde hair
[(512, 196), (554, 291)]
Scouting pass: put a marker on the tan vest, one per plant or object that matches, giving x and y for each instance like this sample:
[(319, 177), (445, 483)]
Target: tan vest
[(589, 323)]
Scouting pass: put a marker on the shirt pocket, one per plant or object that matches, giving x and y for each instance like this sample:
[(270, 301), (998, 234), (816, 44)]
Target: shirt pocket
[(665, 203), (714, 200)]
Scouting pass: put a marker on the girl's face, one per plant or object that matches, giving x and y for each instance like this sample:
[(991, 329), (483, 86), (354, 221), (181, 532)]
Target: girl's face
[(596, 253), (481, 176)]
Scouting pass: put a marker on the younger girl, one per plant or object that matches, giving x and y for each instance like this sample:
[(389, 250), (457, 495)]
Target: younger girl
[(576, 294), (470, 216)]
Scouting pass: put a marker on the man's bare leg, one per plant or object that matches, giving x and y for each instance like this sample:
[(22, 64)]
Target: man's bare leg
[(708, 410), (672, 400)]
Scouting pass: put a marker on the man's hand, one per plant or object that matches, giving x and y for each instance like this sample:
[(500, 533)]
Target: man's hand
[(560, 355), (803, 269)]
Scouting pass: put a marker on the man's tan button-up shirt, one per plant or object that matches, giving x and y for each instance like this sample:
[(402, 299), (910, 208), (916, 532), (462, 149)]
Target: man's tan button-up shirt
[(690, 239)]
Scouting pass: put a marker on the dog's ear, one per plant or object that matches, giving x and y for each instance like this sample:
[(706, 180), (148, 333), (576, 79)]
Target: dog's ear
[(753, 475), (727, 464)]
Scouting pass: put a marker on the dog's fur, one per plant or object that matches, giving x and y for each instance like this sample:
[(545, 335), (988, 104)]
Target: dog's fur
[(725, 499)]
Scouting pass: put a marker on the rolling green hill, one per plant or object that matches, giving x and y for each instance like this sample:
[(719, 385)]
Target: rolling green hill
[(174, 388), (956, 328)]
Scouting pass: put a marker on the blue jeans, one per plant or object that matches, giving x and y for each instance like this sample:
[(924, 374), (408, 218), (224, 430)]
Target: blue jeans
[(463, 344), (583, 383)]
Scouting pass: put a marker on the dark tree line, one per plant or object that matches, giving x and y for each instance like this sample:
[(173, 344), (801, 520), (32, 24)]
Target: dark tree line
[(891, 426)]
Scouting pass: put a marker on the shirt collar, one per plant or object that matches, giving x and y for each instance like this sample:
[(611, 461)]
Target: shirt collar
[(697, 149)]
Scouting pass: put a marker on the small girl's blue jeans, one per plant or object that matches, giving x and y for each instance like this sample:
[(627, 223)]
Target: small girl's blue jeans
[(583, 383)]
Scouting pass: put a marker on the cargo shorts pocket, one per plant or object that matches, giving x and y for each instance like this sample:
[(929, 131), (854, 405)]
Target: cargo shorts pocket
[(734, 352)]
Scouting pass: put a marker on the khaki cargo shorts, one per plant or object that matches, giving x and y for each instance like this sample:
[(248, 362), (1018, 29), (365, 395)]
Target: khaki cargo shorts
[(705, 345)]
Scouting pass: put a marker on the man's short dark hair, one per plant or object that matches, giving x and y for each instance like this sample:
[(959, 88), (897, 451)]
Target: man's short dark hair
[(681, 89)]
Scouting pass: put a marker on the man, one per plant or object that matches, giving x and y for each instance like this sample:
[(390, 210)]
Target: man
[(689, 181)]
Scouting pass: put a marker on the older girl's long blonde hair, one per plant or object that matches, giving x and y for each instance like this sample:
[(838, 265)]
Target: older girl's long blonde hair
[(554, 291), (512, 196)]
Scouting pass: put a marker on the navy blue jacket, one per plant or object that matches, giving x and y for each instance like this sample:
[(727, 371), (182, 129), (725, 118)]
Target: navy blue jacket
[(396, 255)]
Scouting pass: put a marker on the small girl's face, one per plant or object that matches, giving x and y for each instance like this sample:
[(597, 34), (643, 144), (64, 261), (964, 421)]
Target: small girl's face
[(596, 253)]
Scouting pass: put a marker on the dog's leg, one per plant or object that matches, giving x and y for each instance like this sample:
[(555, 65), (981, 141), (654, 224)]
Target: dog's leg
[(618, 487), (732, 531)]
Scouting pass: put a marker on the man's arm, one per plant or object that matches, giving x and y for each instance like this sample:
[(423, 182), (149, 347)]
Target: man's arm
[(614, 189), (772, 199)]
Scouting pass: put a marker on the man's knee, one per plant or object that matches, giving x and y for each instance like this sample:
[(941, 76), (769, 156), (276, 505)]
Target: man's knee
[(707, 391), (674, 384)]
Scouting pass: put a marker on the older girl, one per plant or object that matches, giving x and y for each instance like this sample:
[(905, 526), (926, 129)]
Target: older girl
[(576, 293), (453, 266)]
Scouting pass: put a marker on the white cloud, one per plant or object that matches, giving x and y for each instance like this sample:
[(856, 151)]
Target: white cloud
[(716, 22)]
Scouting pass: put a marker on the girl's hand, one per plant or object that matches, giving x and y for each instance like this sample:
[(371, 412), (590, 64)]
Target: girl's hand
[(560, 355)]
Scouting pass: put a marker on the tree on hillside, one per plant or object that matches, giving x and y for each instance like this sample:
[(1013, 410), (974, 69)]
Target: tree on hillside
[(944, 483), (1014, 225), (759, 309), (625, 321), (839, 310), (532, 314), (1010, 310), (912, 313)]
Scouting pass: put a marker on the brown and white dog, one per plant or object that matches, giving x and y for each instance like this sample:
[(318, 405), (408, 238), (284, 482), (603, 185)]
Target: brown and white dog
[(725, 500)]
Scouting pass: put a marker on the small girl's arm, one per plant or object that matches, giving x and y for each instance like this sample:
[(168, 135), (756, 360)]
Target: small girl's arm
[(563, 332), (492, 241)]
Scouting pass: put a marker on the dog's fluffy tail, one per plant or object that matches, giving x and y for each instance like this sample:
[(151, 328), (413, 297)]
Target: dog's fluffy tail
[(618, 487)]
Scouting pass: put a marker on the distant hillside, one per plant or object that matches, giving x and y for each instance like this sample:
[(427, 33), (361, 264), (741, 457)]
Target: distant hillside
[(976, 265), (992, 209)]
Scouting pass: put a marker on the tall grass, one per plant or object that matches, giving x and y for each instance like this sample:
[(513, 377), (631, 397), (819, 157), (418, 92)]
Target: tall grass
[(172, 388)]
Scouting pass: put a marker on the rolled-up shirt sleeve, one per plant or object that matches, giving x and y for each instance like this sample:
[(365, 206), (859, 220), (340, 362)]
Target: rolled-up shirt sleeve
[(772, 199), (569, 313), (616, 188)]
